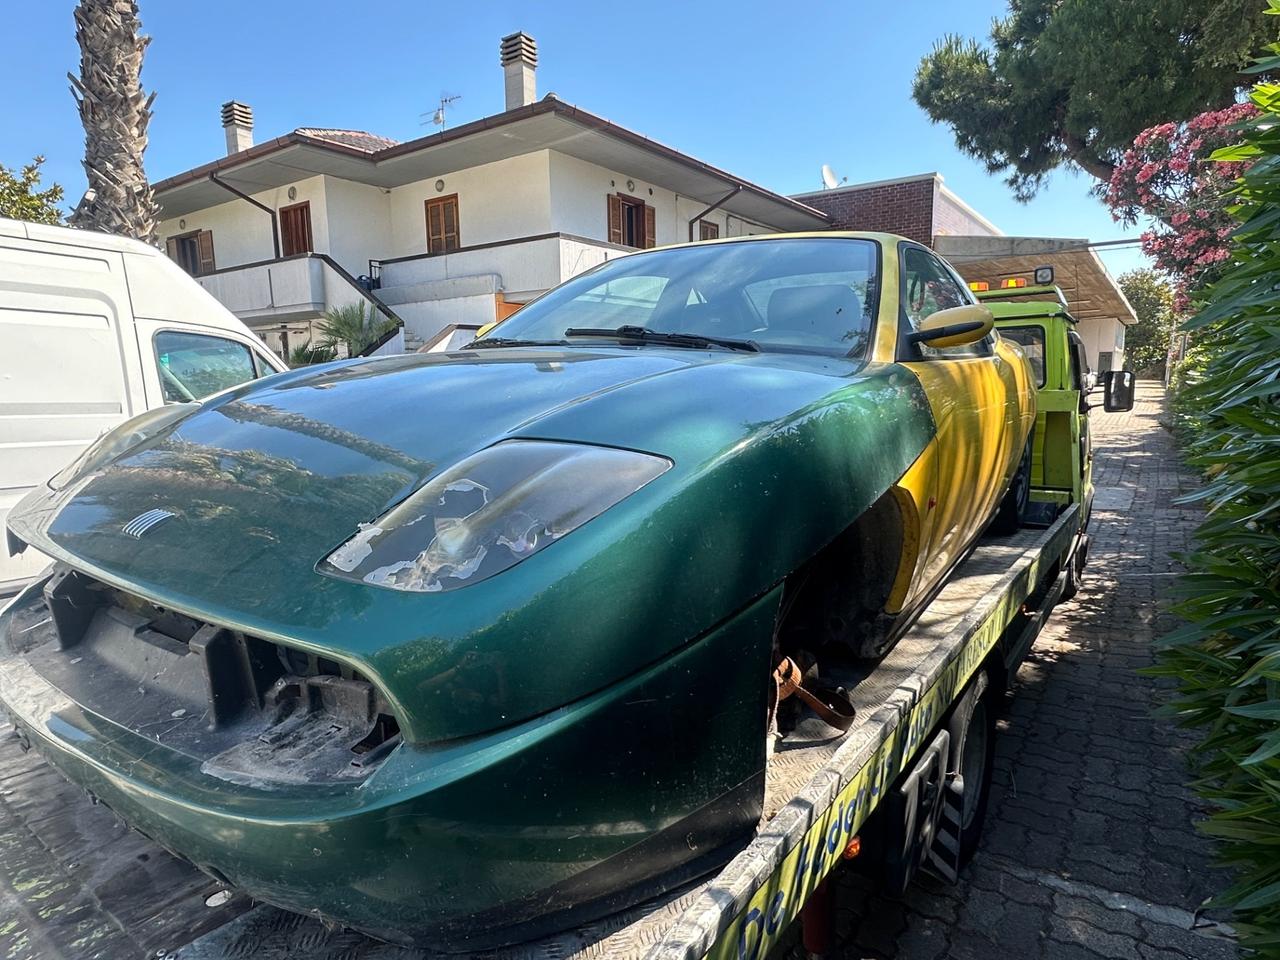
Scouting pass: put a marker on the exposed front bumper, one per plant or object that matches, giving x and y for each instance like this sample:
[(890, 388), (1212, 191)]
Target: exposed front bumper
[(467, 843)]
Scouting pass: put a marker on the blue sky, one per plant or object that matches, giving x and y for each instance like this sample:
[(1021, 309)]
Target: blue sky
[(767, 90)]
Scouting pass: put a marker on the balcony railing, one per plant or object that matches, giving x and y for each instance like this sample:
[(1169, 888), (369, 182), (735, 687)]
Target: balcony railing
[(293, 288), (522, 267)]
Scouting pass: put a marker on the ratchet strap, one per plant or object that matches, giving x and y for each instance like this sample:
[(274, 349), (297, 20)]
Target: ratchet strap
[(832, 704)]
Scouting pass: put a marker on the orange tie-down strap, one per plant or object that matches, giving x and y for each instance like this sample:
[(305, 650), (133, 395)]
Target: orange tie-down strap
[(832, 704)]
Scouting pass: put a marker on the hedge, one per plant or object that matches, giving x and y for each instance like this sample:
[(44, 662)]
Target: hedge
[(1226, 656)]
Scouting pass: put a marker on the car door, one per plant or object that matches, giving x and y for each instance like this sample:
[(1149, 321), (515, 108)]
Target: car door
[(970, 395)]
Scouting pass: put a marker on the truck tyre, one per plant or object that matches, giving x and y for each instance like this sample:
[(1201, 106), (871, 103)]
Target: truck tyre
[(1013, 508), (1075, 569), (972, 726)]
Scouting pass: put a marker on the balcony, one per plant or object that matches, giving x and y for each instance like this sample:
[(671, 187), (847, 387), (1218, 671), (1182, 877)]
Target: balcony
[(469, 287), (287, 294)]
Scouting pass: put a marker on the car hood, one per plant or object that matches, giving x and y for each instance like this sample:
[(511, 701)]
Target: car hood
[(266, 480)]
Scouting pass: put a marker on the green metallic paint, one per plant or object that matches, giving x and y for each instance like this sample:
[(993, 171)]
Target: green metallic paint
[(263, 491)]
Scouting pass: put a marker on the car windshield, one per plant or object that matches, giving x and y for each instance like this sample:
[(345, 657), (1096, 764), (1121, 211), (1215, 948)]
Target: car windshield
[(796, 294)]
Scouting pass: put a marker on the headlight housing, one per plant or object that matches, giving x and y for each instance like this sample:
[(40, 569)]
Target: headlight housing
[(120, 440), (488, 512)]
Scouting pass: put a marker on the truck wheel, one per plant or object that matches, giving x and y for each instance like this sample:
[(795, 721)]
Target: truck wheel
[(972, 727), (1013, 508), (1075, 569)]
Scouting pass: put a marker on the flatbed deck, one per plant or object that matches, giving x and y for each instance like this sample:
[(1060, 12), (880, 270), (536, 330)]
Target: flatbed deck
[(76, 883)]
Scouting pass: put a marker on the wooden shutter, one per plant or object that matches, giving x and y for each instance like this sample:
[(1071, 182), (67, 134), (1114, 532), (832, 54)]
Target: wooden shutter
[(650, 233), (708, 231), (295, 229), (443, 229), (171, 249), (204, 241), (615, 218)]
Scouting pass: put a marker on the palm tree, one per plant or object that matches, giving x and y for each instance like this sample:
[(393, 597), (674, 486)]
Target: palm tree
[(356, 325), (115, 114)]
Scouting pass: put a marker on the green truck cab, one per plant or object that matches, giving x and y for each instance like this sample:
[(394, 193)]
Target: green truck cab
[(1036, 318)]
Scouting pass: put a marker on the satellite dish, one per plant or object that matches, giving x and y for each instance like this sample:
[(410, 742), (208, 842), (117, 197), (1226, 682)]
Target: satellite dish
[(829, 180)]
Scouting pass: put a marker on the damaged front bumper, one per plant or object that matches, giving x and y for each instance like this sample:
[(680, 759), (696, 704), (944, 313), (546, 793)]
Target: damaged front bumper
[(460, 845)]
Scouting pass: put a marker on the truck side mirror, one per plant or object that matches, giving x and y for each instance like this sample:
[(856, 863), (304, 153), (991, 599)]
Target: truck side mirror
[(1118, 391)]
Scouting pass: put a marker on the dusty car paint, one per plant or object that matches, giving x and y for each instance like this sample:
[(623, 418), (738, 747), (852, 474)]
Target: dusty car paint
[(583, 729)]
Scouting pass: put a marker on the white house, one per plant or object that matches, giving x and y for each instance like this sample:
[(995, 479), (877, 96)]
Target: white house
[(448, 231)]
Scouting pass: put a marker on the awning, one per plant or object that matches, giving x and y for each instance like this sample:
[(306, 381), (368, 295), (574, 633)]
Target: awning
[(1091, 292)]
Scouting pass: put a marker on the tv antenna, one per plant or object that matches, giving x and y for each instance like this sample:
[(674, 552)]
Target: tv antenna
[(438, 115), (829, 179)]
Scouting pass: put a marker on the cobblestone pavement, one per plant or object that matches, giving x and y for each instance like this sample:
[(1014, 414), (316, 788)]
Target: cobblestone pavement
[(1089, 847)]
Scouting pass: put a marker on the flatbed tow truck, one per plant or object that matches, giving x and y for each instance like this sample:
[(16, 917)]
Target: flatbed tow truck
[(903, 789), (897, 792)]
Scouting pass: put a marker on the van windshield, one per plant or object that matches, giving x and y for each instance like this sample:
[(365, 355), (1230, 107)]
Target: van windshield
[(815, 295)]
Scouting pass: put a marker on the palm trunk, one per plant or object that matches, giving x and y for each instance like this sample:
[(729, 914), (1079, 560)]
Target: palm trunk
[(115, 114)]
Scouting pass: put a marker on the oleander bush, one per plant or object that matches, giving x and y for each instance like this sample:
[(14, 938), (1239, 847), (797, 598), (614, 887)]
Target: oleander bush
[(1226, 657)]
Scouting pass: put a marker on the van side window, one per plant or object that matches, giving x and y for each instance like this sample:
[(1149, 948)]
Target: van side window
[(192, 366)]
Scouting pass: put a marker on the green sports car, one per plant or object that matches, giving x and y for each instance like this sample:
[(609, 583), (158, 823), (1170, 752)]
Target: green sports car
[(462, 648)]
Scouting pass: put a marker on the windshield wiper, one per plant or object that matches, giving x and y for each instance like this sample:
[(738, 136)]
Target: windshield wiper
[(513, 342), (645, 335)]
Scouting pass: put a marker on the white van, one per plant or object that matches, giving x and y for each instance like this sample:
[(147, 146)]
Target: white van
[(95, 329)]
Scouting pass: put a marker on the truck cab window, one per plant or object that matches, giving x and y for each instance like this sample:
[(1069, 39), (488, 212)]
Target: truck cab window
[(192, 366)]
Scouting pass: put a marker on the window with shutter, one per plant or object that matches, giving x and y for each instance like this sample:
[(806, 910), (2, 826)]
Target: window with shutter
[(442, 224), (295, 229), (193, 252), (631, 221), (708, 231)]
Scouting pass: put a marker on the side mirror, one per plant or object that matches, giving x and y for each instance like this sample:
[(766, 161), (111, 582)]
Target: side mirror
[(954, 327), (1118, 390)]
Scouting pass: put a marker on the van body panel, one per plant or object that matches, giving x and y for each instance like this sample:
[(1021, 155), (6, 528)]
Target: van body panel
[(75, 357)]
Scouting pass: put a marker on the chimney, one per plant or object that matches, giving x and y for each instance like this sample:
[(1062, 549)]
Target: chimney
[(519, 66), (237, 121)]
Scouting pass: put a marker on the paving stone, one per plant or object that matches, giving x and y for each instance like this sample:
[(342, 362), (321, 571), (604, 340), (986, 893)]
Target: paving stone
[(1104, 944), (1185, 941), (1113, 921)]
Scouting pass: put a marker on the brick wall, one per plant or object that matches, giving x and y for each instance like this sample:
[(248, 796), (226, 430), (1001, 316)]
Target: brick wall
[(905, 208)]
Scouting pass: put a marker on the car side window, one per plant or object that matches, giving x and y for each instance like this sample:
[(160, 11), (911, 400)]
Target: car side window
[(927, 287), (192, 366)]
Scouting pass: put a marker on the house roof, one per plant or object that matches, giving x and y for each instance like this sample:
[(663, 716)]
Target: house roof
[(368, 142), (546, 124)]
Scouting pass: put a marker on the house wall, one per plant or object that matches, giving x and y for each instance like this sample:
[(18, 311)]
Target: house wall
[(242, 232), (360, 219), (952, 217), (578, 203), (904, 207), (1102, 336), (496, 201)]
